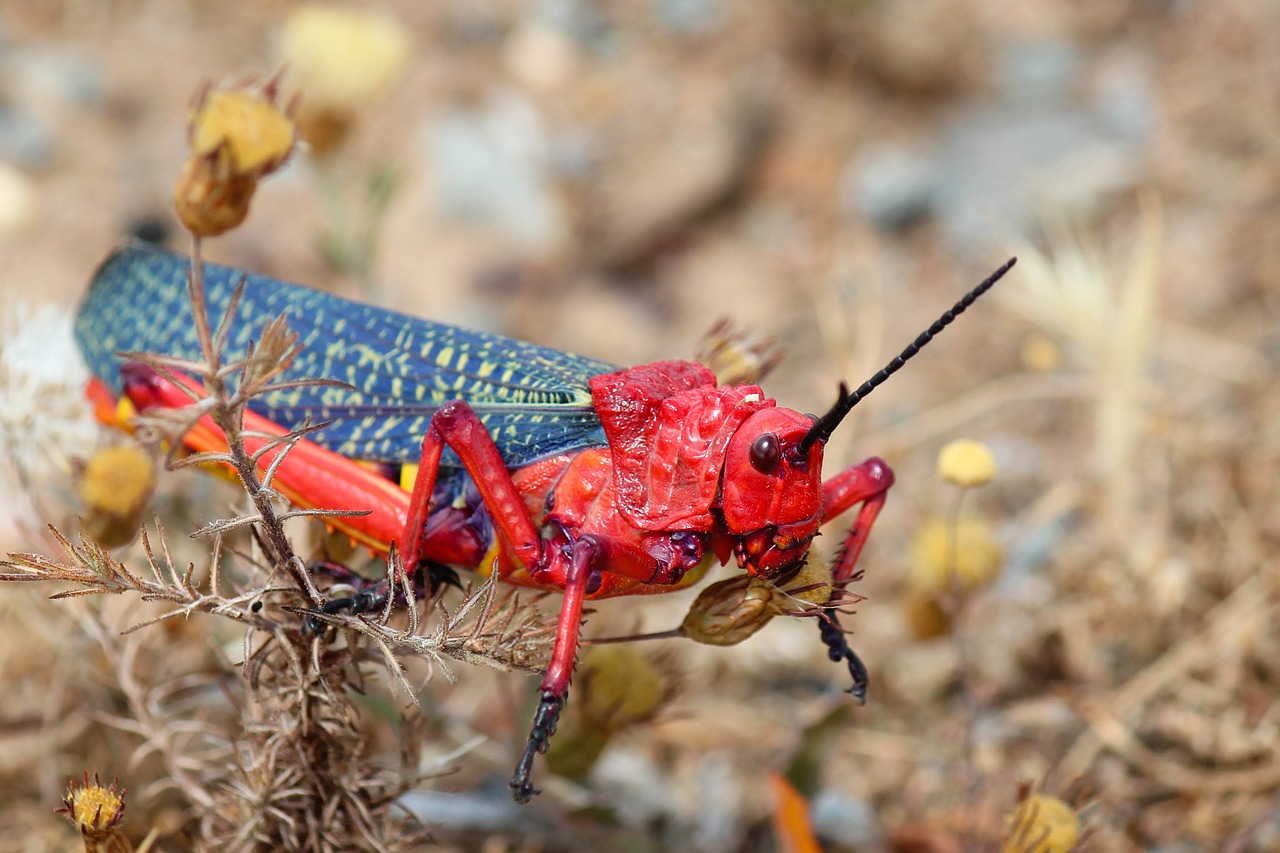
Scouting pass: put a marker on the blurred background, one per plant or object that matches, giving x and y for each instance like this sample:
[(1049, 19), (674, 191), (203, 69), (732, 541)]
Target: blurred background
[(614, 177)]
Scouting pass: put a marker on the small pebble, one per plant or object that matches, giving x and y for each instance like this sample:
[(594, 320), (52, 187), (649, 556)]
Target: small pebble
[(888, 185), (24, 141)]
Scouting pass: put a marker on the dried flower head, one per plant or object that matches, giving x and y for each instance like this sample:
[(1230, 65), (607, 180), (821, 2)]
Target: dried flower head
[(252, 132), (926, 616), (1041, 824), (96, 810), (115, 487), (341, 59), (237, 137), (735, 356), (812, 584), (728, 612), (966, 463), (965, 549), (616, 688), (45, 424)]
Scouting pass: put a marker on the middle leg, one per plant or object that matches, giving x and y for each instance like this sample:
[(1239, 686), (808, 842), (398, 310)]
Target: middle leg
[(554, 691)]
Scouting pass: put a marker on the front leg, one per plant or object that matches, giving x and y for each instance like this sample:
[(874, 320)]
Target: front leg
[(868, 484)]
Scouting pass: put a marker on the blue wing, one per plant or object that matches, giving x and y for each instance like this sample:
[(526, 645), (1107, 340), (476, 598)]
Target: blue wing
[(535, 401)]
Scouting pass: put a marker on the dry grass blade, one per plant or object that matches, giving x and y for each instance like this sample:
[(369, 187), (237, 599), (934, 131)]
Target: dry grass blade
[(1109, 315), (90, 566), (394, 669)]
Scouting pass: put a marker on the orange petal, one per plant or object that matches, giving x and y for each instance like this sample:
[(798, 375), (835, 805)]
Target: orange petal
[(791, 823)]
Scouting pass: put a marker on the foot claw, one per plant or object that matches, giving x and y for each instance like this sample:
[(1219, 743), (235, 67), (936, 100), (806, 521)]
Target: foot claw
[(544, 726), (838, 650), (523, 791), (364, 601)]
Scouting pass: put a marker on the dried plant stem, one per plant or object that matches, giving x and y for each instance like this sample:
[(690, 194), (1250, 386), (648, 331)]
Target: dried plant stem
[(228, 413), (149, 723), (955, 605)]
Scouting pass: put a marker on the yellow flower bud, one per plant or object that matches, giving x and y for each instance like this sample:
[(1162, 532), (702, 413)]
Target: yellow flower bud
[(1041, 824), (116, 485), (256, 134), (968, 548), (341, 59), (95, 810), (966, 463), (237, 137)]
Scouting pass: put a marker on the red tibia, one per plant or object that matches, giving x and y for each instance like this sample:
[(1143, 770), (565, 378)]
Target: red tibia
[(457, 425), (868, 484), (310, 476), (584, 557), (555, 684)]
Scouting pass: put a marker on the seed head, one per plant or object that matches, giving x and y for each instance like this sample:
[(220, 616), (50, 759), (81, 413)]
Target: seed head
[(1041, 824), (966, 463), (341, 59), (966, 548), (728, 612), (45, 425)]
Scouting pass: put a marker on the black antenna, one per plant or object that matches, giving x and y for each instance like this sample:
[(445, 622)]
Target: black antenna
[(826, 425)]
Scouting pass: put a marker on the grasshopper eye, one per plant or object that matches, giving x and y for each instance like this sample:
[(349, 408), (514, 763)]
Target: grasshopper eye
[(766, 453)]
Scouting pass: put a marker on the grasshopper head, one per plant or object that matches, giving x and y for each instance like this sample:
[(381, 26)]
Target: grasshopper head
[(771, 491)]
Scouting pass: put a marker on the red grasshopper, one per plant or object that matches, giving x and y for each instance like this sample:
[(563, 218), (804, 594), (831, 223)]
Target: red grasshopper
[(554, 471)]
